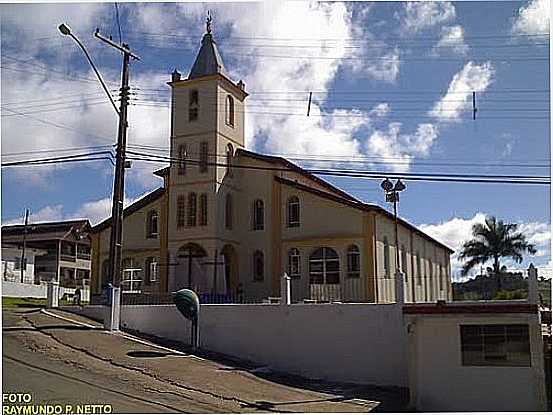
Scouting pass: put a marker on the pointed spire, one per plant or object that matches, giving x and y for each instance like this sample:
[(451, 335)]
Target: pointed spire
[(208, 61)]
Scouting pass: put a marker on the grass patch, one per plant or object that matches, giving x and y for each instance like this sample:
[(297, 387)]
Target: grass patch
[(15, 302)]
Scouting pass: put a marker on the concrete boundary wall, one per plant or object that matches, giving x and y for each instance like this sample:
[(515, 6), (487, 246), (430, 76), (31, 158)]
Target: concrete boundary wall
[(17, 289), (360, 343)]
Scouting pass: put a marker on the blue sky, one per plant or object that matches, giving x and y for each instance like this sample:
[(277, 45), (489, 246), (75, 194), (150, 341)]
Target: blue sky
[(391, 83)]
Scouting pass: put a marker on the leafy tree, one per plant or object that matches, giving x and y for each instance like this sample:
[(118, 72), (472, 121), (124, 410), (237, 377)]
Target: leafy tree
[(493, 240)]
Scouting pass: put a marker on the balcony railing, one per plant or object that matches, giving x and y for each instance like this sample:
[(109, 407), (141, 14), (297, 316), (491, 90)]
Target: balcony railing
[(68, 257), (83, 255)]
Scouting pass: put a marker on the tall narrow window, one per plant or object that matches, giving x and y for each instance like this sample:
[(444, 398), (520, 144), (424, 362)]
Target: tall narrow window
[(230, 154), (152, 224), (293, 212), (192, 209), (182, 154), (203, 156), (441, 277), (419, 271), (430, 274), (193, 105), (229, 111), (386, 258), (354, 261), (228, 211), (203, 209), (258, 215), (294, 261), (180, 211), (258, 266), (151, 270)]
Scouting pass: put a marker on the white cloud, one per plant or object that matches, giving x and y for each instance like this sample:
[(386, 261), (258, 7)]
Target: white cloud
[(400, 148), (533, 18), (421, 15), (452, 41), (455, 232), (458, 98)]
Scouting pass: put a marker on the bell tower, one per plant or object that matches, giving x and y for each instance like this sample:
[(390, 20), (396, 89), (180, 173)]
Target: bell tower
[(207, 127)]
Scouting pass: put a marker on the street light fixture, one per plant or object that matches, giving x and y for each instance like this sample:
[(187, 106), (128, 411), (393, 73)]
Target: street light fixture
[(392, 196)]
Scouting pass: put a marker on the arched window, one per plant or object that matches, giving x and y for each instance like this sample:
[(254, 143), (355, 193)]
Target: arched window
[(182, 154), (403, 260), (230, 154), (228, 211), (293, 212), (180, 211), (324, 267), (203, 156), (386, 257), (354, 261), (229, 111), (294, 263), (193, 105), (419, 271), (258, 266), (152, 224), (191, 209), (203, 209), (258, 215)]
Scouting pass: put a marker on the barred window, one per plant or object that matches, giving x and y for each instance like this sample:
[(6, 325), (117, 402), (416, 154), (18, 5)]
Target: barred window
[(294, 263), (191, 209), (203, 209), (324, 266), (258, 215), (180, 211), (203, 156), (495, 345), (354, 261), (258, 266)]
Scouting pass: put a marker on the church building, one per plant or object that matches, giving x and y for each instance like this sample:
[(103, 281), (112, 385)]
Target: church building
[(229, 222)]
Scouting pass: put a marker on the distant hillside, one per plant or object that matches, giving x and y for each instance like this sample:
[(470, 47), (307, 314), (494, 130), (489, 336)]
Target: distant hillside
[(513, 286)]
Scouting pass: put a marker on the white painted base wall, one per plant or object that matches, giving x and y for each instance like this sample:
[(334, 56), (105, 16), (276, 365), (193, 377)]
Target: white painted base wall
[(17, 289)]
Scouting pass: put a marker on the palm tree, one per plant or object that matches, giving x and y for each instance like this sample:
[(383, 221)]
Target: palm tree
[(491, 241)]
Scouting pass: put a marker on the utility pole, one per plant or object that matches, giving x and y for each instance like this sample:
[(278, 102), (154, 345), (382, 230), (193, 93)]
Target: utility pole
[(23, 259), (115, 242)]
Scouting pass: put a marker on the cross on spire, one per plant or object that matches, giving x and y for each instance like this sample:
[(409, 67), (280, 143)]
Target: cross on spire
[(208, 22)]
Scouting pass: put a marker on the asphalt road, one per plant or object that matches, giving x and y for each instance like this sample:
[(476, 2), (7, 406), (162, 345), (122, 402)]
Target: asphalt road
[(66, 363)]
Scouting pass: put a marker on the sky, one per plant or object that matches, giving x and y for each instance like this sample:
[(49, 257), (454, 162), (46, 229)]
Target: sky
[(391, 87)]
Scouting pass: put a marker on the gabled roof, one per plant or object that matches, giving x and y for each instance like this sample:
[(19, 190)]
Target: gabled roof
[(359, 205), (129, 210), (208, 61), (46, 231), (294, 167)]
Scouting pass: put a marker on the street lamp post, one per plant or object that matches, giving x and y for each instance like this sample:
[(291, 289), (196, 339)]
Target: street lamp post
[(392, 196), (115, 246)]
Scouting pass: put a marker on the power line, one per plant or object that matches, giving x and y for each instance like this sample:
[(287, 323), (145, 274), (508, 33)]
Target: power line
[(58, 150), (60, 159)]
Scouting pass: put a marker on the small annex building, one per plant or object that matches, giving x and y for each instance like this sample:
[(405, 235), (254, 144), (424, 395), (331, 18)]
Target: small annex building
[(229, 222)]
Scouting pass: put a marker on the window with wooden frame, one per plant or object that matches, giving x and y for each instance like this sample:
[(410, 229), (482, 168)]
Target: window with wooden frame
[(152, 220), (293, 212), (294, 263)]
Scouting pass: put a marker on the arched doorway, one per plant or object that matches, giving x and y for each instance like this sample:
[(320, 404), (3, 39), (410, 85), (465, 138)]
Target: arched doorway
[(231, 269), (190, 269)]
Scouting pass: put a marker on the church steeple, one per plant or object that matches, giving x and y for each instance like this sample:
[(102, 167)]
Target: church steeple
[(208, 61)]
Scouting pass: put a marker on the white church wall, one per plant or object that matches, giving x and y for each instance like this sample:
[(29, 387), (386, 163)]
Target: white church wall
[(361, 343)]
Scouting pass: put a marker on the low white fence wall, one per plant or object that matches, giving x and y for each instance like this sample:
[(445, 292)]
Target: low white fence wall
[(361, 343), (17, 289)]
